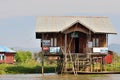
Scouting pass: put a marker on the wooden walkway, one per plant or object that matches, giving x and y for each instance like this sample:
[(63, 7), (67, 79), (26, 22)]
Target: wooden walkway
[(104, 72)]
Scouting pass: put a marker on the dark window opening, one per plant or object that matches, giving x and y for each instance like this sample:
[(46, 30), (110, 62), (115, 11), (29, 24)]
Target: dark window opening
[(76, 45)]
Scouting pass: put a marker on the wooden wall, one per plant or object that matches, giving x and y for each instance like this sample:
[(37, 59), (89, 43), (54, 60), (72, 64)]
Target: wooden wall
[(76, 27), (102, 39), (84, 35)]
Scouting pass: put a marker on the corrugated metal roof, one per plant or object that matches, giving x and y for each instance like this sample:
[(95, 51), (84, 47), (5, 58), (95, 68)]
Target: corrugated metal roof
[(6, 49), (60, 23)]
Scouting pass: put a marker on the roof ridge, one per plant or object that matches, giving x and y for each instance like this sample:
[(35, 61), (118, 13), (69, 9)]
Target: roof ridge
[(78, 16)]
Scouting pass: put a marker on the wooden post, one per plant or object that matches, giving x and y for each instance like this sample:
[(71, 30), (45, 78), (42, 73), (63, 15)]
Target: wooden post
[(106, 40), (65, 51), (65, 43), (42, 63), (42, 56)]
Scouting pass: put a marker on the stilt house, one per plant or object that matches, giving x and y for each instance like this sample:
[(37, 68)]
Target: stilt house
[(63, 35)]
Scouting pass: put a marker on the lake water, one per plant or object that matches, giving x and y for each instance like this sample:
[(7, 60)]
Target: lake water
[(59, 77)]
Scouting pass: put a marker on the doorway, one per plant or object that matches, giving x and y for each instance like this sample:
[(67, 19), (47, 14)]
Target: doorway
[(77, 45)]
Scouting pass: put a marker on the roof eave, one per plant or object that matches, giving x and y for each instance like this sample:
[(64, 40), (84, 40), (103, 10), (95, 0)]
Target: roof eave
[(39, 34), (105, 32), (9, 52)]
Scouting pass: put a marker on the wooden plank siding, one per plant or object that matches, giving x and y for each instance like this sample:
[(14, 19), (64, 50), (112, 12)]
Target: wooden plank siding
[(82, 43), (76, 27), (83, 31), (102, 39), (84, 35)]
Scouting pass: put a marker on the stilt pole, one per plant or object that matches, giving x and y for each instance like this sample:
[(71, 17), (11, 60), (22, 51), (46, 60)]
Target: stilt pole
[(42, 56), (65, 51), (65, 44), (42, 63)]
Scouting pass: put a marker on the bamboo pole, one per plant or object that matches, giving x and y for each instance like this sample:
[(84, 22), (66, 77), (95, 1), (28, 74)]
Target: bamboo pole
[(65, 44), (65, 50), (42, 56)]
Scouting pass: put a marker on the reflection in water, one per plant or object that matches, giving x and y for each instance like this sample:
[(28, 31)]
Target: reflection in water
[(59, 77), (45, 77), (65, 77)]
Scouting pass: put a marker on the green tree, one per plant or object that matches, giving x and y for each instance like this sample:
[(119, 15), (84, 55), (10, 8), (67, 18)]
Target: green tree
[(23, 56)]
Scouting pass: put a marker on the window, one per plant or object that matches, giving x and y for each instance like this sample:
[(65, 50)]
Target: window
[(2, 57), (53, 41), (95, 42)]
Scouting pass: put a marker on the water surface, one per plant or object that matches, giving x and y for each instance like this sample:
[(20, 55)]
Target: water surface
[(53, 76)]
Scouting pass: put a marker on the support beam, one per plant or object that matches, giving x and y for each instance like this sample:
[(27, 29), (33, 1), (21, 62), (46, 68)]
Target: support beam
[(65, 43), (106, 40), (65, 52), (42, 55)]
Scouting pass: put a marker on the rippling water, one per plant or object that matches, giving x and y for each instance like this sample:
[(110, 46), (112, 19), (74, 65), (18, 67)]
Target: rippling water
[(58, 77)]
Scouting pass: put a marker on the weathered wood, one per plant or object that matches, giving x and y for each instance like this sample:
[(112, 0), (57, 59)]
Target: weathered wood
[(42, 56), (99, 58), (104, 72), (68, 44), (53, 54), (65, 50), (79, 28)]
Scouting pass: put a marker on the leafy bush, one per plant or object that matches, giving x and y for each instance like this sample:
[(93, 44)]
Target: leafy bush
[(115, 65), (25, 65), (25, 68), (23, 56)]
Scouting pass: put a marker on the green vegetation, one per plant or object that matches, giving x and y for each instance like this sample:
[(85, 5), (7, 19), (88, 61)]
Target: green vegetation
[(24, 68), (115, 66), (25, 63), (23, 56)]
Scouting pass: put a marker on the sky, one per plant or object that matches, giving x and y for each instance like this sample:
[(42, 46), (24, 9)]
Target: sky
[(18, 17)]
